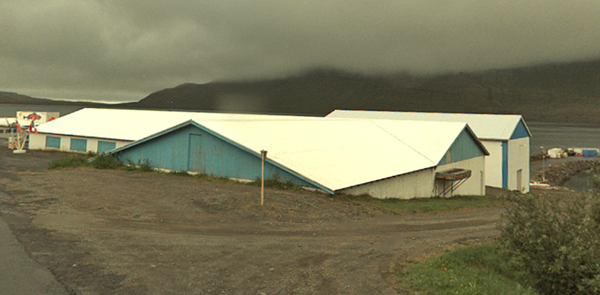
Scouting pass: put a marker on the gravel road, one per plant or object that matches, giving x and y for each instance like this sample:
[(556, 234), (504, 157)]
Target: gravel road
[(119, 232)]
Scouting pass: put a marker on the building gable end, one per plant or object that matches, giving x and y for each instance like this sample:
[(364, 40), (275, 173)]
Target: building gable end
[(193, 147), (464, 147), (520, 131)]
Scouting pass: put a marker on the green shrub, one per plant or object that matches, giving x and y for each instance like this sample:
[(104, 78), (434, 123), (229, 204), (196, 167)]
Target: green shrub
[(106, 161), (557, 241), (70, 162), (276, 182), (595, 176)]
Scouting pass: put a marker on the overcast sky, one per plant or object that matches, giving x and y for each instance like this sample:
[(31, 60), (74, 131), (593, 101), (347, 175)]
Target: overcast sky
[(125, 50)]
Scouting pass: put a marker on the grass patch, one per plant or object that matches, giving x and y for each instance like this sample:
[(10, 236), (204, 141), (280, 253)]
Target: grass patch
[(141, 166), (177, 173), (481, 269), (275, 183), (429, 205), (99, 161), (106, 161), (69, 162)]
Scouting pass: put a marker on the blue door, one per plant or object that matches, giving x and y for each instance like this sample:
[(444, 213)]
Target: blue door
[(195, 153)]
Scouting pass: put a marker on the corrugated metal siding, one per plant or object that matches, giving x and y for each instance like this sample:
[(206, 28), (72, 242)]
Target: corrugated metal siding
[(464, 147), (169, 151), (193, 149), (213, 156)]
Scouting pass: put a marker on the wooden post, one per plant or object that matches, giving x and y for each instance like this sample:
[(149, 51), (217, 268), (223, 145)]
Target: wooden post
[(263, 156)]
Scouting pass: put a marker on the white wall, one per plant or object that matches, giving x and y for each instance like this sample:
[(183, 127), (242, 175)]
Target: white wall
[(518, 159), (493, 163), (38, 142), (421, 184), (475, 185), (408, 186)]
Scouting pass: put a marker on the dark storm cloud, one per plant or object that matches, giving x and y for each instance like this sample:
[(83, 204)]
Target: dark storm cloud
[(115, 49)]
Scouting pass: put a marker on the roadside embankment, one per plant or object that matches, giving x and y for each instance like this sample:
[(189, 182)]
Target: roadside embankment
[(558, 174)]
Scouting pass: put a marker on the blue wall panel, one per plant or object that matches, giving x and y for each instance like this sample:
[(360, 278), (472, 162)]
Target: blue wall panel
[(192, 149), (504, 164), (78, 144), (520, 131), (169, 151), (105, 146), (53, 142), (464, 147)]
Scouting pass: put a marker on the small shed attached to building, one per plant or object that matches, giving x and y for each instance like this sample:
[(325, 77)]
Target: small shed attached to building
[(506, 137)]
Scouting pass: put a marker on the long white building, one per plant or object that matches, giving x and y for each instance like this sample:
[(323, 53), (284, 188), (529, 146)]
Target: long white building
[(382, 158)]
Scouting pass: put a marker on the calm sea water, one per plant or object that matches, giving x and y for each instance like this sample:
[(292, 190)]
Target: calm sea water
[(563, 135)]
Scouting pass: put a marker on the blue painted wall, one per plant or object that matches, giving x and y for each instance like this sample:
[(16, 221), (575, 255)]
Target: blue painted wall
[(520, 131), (190, 148), (464, 147)]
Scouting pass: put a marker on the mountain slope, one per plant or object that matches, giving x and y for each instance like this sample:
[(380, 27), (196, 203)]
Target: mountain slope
[(554, 93)]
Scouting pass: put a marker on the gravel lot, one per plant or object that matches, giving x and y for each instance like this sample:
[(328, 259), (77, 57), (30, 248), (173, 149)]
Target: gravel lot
[(119, 232)]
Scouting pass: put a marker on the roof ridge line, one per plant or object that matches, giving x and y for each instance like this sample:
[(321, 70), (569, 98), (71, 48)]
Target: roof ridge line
[(400, 140)]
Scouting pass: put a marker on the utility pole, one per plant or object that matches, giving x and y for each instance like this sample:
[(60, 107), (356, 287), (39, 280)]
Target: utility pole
[(263, 157), (543, 164)]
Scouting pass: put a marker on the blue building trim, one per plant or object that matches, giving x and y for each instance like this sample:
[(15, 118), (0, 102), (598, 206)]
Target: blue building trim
[(465, 146), (521, 131), (53, 142), (504, 164), (192, 147)]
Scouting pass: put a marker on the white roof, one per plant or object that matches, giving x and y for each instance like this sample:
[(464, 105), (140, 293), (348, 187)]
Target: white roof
[(485, 126), (128, 125), (342, 153), (335, 153)]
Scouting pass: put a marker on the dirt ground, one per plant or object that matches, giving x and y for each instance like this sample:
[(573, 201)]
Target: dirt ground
[(119, 232)]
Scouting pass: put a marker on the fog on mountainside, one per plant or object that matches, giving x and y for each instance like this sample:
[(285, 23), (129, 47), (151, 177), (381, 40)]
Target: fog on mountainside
[(551, 93)]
